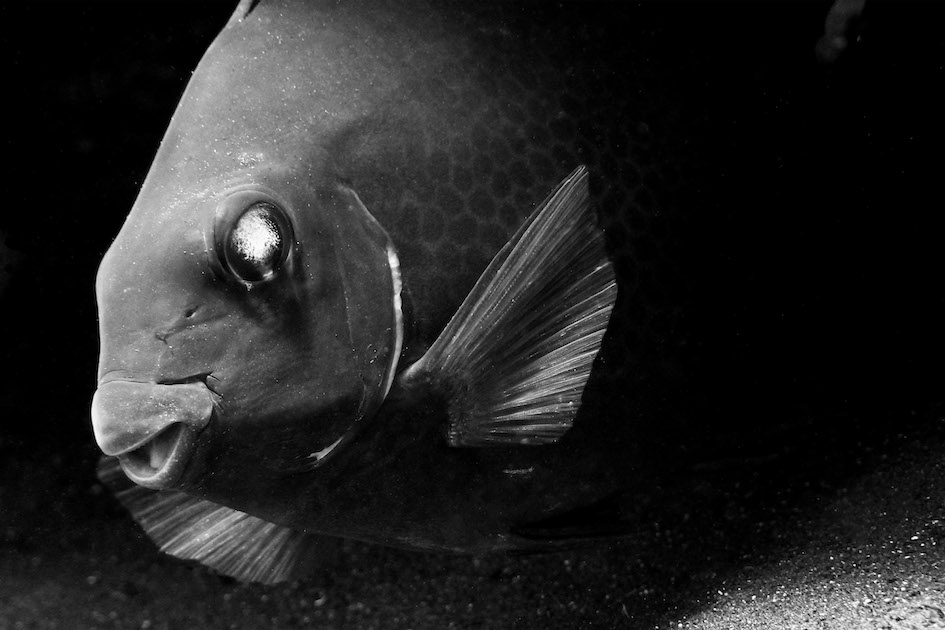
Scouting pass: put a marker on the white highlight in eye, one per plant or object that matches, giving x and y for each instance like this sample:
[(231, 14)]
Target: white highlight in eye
[(256, 237)]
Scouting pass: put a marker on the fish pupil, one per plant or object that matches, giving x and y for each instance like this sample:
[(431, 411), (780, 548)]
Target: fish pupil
[(255, 245)]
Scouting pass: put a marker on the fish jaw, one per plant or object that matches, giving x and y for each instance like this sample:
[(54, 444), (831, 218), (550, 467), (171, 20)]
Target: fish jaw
[(151, 427)]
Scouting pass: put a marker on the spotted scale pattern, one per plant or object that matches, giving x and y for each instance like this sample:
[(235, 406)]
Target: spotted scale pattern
[(457, 158)]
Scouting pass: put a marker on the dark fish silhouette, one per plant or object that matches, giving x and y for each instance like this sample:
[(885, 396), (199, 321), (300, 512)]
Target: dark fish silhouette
[(340, 306)]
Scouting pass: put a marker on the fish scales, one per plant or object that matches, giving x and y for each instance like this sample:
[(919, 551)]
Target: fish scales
[(494, 144)]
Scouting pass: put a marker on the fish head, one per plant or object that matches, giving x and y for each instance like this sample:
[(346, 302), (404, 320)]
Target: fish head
[(247, 325), (249, 307)]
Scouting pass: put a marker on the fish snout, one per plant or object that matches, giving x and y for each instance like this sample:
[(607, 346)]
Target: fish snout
[(151, 427)]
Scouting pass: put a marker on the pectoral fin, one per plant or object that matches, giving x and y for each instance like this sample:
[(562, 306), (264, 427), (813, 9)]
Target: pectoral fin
[(516, 356), (227, 540)]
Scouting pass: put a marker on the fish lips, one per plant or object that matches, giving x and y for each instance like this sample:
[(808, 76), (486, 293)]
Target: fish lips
[(151, 427)]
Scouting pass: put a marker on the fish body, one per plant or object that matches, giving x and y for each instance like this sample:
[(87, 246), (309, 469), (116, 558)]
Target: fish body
[(341, 306)]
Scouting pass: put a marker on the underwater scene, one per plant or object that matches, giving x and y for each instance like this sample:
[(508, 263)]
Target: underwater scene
[(433, 314)]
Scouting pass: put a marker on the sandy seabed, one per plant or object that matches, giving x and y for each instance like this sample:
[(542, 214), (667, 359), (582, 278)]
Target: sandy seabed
[(861, 548)]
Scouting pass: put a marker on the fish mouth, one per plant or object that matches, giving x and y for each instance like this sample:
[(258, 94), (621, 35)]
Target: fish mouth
[(151, 428), (159, 462)]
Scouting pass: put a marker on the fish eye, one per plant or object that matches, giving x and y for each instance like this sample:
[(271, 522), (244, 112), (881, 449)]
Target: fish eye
[(256, 244)]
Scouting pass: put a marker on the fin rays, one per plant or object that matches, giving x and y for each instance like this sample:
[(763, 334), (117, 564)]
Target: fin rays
[(232, 542), (517, 354)]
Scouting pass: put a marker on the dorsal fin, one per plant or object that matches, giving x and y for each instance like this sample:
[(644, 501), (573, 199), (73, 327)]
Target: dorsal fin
[(516, 356), (232, 542)]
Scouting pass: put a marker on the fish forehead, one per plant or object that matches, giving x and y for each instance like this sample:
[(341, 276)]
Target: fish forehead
[(274, 86), (265, 106)]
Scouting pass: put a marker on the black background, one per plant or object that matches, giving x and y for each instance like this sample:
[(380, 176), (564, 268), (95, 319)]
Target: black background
[(826, 182)]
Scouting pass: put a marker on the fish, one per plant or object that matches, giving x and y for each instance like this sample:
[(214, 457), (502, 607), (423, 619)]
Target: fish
[(392, 276)]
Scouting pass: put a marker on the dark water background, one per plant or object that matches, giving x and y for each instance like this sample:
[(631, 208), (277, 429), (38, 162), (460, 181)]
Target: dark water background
[(822, 204)]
